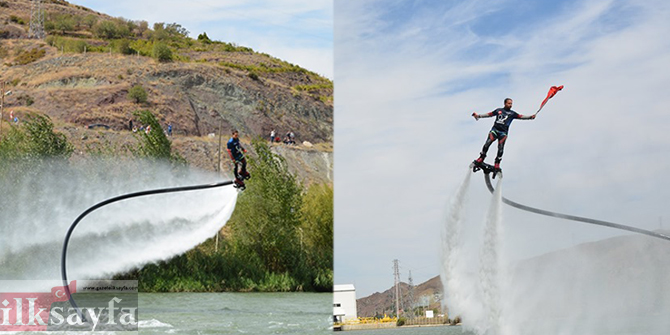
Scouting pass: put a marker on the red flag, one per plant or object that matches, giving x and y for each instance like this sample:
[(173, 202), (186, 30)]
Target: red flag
[(552, 91)]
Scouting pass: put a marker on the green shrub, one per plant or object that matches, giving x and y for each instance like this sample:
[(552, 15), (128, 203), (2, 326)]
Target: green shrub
[(161, 52), (204, 38), (154, 144), (26, 57), (34, 138), (16, 19), (25, 99), (111, 29), (89, 20), (122, 46), (68, 44), (60, 23), (138, 94), (401, 321)]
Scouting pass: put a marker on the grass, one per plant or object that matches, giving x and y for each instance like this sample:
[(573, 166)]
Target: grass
[(28, 56)]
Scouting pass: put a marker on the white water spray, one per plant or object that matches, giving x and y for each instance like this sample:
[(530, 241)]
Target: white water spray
[(455, 297), (470, 275), (39, 208), (489, 274)]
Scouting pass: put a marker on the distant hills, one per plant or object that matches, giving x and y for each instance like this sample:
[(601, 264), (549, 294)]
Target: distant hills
[(625, 274)]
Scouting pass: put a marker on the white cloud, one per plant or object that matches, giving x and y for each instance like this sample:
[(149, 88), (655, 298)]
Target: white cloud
[(406, 86)]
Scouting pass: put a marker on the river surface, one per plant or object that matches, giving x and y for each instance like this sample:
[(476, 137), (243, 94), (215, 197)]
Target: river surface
[(235, 313), (441, 330)]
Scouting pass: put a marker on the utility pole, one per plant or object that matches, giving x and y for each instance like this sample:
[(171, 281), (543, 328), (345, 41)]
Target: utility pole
[(218, 169), (396, 279), (411, 294), (218, 155), (2, 106), (36, 20)]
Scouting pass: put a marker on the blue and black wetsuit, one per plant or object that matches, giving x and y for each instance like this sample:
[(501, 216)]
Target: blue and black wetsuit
[(504, 118), (236, 153)]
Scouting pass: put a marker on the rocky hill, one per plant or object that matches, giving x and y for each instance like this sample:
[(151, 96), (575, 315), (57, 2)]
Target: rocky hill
[(80, 77), (426, 295)]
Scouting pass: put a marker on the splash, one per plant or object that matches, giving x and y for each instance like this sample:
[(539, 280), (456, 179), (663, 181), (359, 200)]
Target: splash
[(40, 205), (489, 273), (470, 268), (455, 297)]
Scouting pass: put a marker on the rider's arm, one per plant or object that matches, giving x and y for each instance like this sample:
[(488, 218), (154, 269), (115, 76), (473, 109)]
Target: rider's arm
[(479, 116), (526, 117)]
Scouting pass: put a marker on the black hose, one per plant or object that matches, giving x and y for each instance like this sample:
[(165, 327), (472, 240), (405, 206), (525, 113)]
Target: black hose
[(574, 218), (112, 200)]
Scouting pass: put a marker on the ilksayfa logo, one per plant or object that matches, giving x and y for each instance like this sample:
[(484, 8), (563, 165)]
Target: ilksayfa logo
[(53, 311)]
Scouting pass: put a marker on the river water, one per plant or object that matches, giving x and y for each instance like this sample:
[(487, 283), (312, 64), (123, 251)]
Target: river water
[(441, 330), (235, 313)]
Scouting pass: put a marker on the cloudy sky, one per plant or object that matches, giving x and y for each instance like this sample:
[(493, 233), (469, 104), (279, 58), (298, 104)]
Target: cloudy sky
[(297, 31), (409, 74)]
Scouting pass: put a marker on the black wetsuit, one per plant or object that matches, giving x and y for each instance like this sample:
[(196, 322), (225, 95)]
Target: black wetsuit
[(504, 118)]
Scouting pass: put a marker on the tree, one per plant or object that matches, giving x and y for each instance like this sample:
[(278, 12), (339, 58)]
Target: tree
[(106, 29), (153, 144), (89, 20), (123, 46), (63, 23), (176, 30), (266, 221), (35, 138), (162, 52), (204, 38), (138, 94), (317, 226)]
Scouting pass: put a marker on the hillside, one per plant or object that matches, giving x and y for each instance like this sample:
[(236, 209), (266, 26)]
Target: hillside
[(592, 275), (82, 74), (427, 295)]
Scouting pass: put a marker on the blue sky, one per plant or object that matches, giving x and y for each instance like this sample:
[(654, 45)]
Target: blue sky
[(409, 74), (298, 31)]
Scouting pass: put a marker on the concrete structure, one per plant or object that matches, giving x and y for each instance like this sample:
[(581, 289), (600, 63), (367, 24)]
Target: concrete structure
[(344, 303)]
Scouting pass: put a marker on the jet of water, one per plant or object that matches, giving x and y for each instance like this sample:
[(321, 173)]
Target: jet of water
[(39, 206)]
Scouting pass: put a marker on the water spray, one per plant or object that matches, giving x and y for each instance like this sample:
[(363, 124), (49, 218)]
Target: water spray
[(112, 200)]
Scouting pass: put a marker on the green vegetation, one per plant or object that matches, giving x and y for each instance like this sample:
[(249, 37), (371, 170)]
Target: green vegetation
[(153, 144), (68, 44), (138, 94), (161, 52), (33, 139), (60, 23), (16, 19), (28, 56), (314, 87), (204, 38), (26, 99), (280, 240), (166, 42)]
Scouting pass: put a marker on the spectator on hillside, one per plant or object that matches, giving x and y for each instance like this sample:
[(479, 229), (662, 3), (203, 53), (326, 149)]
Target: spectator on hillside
[(169, 129), (272, 136)]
